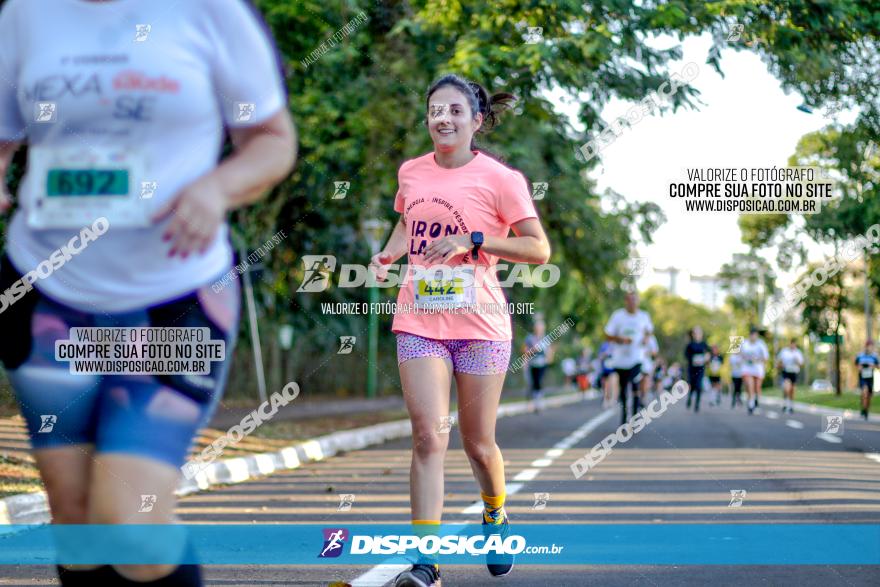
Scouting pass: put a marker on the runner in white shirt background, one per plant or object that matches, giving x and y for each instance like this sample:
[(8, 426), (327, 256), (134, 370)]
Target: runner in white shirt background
[(736, 379), (628, 330), (649, 353), (569, 370), (789, 361), (754, 355)]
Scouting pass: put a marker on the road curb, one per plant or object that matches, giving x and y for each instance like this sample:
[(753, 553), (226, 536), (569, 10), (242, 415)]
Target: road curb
[(33, 508), (820, 410), (26, 508)]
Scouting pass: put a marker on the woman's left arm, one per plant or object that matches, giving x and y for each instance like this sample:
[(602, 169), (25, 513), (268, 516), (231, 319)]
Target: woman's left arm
[(530, 245), (263, 155)]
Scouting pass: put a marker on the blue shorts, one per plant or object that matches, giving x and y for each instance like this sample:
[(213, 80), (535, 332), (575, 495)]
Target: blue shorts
[(155, 416)]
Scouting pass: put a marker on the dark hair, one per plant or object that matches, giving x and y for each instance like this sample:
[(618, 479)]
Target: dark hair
[(478, 100)]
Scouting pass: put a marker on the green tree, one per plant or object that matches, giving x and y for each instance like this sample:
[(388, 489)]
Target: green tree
[(673, 318), (751, 283), (823, 313), (359, 109)]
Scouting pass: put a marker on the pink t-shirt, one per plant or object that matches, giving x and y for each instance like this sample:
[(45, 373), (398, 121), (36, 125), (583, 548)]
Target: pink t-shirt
[(483, 195)]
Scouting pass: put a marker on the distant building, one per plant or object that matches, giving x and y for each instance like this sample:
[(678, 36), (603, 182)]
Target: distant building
[(705, 290)]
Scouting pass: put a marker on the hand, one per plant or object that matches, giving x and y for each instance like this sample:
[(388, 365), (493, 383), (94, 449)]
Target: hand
[(625, 339), (443, 249), (196, 212), (377, 265)]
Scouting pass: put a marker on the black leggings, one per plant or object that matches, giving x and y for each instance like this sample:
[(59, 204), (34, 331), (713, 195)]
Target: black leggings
[(695, 380), (737, 390), (537, 374), (627, 378)]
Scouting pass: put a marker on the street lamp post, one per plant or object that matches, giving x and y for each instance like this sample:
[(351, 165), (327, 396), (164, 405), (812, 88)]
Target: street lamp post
[(374, 230), (285, 338), (869, 152), (252, 321), (868, 309)]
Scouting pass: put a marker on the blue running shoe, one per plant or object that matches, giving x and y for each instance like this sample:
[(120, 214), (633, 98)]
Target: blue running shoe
[(498, 564)]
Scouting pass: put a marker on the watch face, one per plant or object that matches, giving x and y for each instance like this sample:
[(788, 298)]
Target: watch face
[(477, 238)]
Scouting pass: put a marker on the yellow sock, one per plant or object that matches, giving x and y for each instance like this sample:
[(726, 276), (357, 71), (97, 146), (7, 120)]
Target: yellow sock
[(426, 523), (422, 528), (493, 508)]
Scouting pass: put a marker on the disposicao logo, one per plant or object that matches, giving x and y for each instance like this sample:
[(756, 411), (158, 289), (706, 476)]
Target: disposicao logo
[(334, 540)]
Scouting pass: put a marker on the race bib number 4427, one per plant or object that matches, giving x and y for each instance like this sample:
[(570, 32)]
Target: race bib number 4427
[(451, 289)]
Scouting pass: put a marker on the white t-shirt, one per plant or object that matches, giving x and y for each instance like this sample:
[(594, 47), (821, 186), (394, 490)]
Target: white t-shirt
[(649, 349), (166, 92), (715, 364), (736, 364), (648, 352), (754, 355), (635, 326), (791, 359)]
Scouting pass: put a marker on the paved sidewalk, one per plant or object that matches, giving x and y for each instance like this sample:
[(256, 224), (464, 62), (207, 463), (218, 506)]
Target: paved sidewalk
[(304, 409), (14, 442)]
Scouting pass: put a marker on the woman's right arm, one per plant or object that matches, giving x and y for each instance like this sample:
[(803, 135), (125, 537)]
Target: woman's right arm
[(393, 250), (396, 245), (7, 150)]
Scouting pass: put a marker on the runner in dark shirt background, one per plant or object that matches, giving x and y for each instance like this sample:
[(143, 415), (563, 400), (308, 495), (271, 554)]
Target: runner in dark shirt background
[(697, 354)]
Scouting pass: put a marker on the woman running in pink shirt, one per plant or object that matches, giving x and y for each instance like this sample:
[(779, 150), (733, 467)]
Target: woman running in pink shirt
[(457, 207)]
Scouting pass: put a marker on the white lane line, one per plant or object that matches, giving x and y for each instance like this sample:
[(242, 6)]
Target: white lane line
[(527, 475), (773, 415), (794, 424), (829, 437), (382, 574), (379, 575)]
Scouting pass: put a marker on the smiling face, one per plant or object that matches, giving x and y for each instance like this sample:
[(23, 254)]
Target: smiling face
[(451, 121)]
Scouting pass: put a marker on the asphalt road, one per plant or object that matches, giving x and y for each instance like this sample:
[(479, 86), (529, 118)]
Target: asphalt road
[(680, 468)]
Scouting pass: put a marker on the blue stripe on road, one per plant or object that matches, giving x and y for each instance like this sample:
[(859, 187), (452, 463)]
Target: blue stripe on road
[(594, 544)]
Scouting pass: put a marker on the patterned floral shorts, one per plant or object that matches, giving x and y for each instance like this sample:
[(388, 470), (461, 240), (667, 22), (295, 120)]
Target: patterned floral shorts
[(476, 357)]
